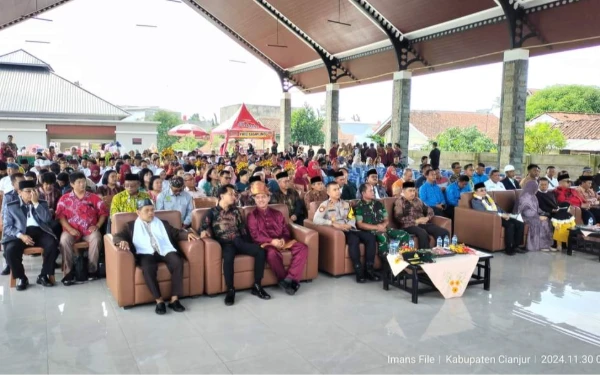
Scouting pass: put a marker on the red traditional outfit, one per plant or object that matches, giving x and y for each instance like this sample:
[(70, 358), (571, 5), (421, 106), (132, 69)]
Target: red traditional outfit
[(269, 224), (571, 196), (389, 179)]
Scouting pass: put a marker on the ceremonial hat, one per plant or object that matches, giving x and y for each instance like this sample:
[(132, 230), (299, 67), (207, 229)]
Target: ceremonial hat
[(338, 174), (254, 179), (371, 171), (281, 175), (408, 184), (586, 178), (315, 179), (177, 182), (564, 176), (479, 185), (260, 188), (509, 168), (26, 184), (144, 202), (132, 177)]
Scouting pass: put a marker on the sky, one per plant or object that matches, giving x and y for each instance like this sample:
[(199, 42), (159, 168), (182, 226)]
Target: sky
[(184, 64)]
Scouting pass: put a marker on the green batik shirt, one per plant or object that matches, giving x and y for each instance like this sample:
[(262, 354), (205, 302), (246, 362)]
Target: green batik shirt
[(370, 212)]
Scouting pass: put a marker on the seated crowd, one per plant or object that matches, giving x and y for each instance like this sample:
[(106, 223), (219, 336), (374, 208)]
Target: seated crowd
[(67, 201)]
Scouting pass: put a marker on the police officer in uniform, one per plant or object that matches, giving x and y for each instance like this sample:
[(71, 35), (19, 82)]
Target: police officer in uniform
[(338, 214)]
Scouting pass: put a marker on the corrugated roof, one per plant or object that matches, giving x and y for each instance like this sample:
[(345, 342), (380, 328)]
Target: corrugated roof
[(23, 58), (581, 129), (40, 92), (431, 123)]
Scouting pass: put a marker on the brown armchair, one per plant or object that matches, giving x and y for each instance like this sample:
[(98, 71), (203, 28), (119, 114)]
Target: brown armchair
[(482, 230), (334, 257), (126, 281), (205, 202), (244, 264)]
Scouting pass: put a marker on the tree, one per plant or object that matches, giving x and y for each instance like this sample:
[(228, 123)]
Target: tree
[(167, 121), (188, 143), (195, 117), (564, 98), (542, 138), (377, 139), (307, 126), (463, 140)]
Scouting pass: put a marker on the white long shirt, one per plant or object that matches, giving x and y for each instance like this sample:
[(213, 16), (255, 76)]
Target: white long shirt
[(494, 186)]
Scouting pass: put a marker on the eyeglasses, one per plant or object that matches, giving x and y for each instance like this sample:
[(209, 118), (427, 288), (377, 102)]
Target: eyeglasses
[(188, 179)]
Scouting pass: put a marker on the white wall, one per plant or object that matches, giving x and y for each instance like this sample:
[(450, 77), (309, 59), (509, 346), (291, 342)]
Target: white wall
[(416, 139), (542, 118), (25, 133), (145, 130)]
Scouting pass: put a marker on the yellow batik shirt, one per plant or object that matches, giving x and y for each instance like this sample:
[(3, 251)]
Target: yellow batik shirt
[(123, 202)]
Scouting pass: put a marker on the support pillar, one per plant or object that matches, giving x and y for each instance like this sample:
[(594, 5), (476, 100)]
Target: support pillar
[(285, 120), (332, 104), (511, 139), (401, 110)]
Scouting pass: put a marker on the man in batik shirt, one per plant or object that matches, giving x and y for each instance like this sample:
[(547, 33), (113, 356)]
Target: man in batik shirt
[(289, 197), (317, 192), (126, 201), (224, 224), (269, 229)]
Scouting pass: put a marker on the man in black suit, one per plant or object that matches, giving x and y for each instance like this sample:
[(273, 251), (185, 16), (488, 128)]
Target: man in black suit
[(27, 223), (151, 241), (509, 181), (348, 190)]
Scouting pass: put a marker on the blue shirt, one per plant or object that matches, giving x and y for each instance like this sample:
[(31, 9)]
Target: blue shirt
[(453, 192), (477, 178), (431, 194), (182, 202)]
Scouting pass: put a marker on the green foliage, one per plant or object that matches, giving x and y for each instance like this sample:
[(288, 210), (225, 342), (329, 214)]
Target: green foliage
[(463, 140), (307, 126), (377, 139), (187, 143), (542, 138), (167, 121), (195, 117), (564, 98)]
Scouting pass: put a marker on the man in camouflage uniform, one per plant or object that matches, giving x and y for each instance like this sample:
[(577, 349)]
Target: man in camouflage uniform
[(317, 192), (338, 214), (372, 217)]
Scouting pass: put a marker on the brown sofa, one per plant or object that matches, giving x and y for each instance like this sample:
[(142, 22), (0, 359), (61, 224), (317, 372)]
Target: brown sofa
[(126, 281), (244, 264), (484, 230), (334, 257)]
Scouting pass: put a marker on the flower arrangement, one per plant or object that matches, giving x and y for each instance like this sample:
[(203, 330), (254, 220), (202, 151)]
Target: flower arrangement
[(241, 166), (199, 164), (266, 164), (288, 166), (167, 154), (462, 249), (220, 167), (107, 157)]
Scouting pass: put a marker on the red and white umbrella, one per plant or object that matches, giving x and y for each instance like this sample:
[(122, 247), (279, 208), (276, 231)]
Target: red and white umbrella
[(188, 129)]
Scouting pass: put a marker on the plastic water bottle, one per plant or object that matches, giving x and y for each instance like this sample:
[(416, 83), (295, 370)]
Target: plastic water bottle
[(446, 241), (454, 240), (394, 247), (439, 242), (591, 222), (411, 243)]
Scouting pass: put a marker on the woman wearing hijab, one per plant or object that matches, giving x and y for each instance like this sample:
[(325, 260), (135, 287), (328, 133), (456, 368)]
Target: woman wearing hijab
[(95, 175), (561, 218), (123, 171), (231, 173), (539, 236), (388, 180)]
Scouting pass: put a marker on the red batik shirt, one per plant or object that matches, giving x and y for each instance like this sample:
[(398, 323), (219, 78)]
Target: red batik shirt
[(81, 213), (572, 196)]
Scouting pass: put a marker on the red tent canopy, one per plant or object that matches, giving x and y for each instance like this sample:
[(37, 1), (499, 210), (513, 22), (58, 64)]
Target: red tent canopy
[(243, 125)]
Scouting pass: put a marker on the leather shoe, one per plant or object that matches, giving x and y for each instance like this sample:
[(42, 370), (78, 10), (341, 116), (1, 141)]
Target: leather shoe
[(287, 287), (360, 275), (295, 285), (371, 274), (22, 283), (176, 306), (258, 291), (161, 309), (44, 280), (510, 252), (68, 280), (521, 251), (6, 270), (230, 297)]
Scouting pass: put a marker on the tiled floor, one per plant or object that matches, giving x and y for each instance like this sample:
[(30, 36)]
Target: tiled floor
[(542, 307)]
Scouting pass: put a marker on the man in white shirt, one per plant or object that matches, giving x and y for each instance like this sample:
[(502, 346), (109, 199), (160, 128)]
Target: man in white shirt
[(494, 183), (84, 167), (151, 242), (551, 176), (6, 185)]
